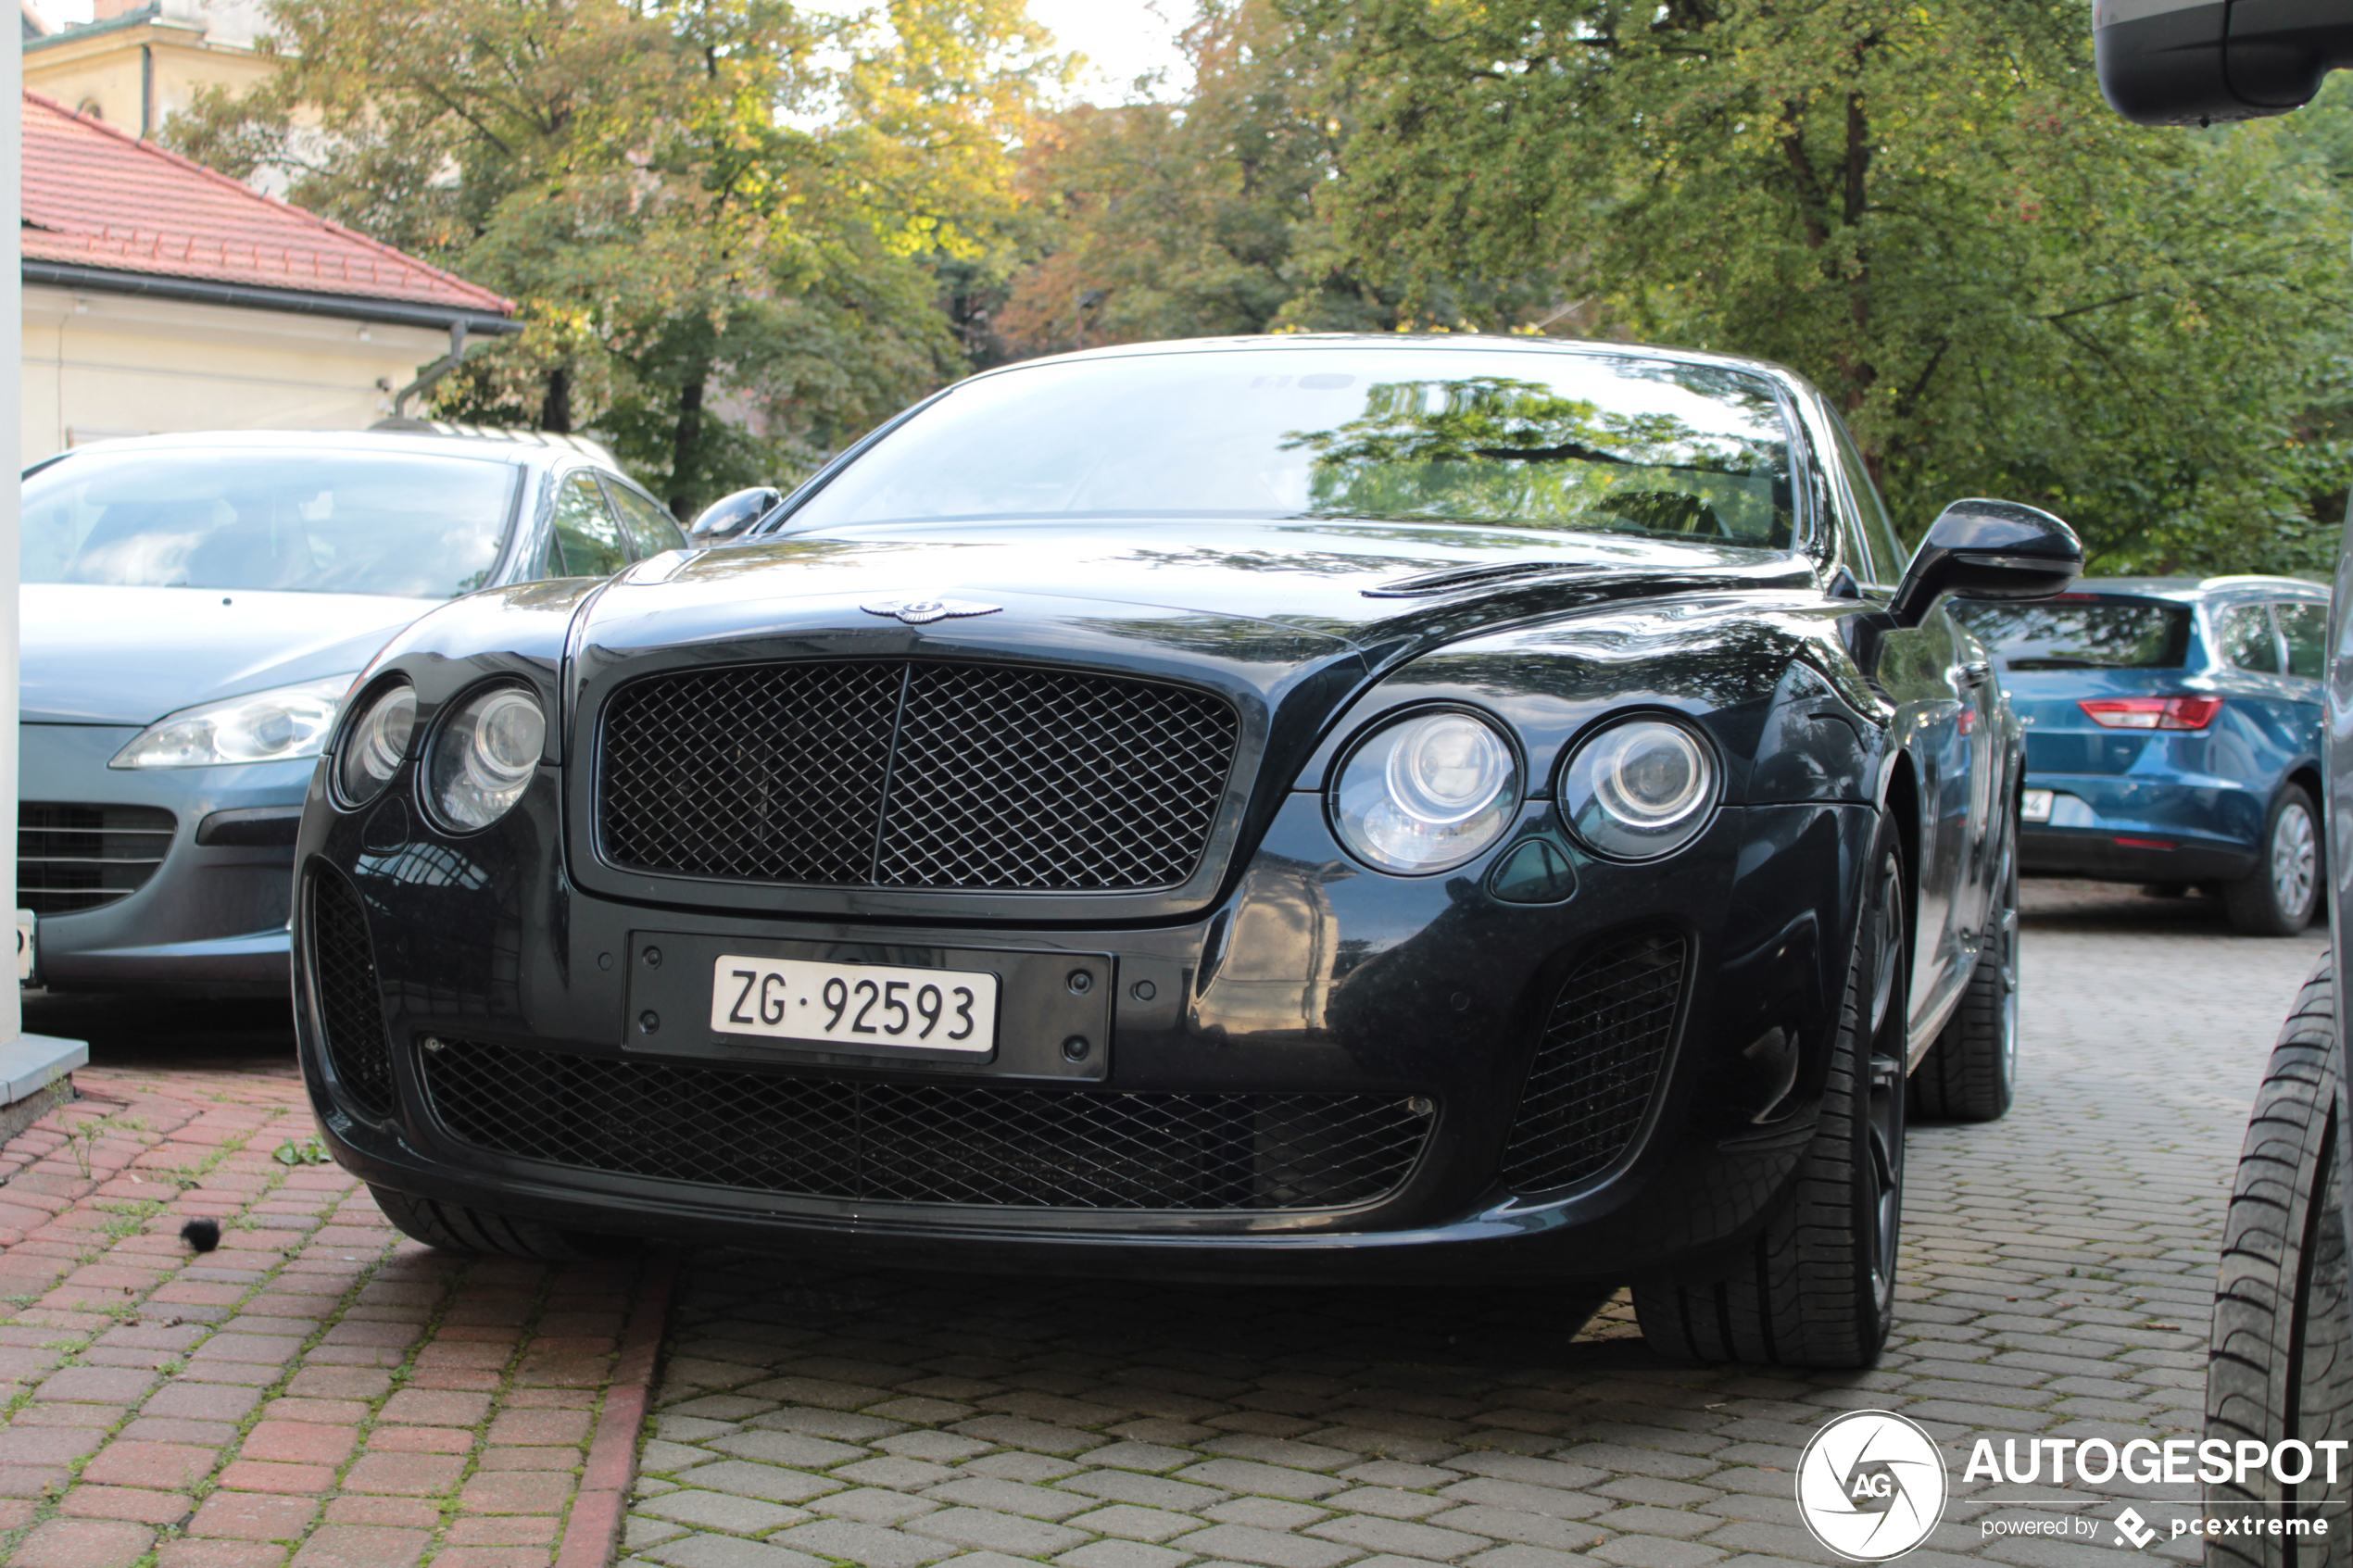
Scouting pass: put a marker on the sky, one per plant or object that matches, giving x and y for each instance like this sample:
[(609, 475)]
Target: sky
[(1121, 39)]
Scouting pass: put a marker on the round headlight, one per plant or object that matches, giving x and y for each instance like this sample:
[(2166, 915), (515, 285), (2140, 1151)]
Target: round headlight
[(486, 755), (374, 748), (1427, 793), (1639, 789)]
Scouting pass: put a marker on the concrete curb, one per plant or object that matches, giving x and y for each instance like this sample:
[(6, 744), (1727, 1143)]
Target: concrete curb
[(594, 1529)]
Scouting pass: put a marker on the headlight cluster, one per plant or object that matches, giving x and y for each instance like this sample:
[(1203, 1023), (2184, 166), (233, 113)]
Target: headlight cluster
[(1432, 790), (1427, 793), (477, 762), (1639, 789), (278, 725)]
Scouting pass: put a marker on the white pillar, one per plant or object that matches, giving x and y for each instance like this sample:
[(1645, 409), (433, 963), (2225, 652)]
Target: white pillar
[(11, 449)]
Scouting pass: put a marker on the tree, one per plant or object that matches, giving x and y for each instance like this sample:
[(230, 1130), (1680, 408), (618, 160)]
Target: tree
[(1213, 216), (1924, 207), (715, 214)]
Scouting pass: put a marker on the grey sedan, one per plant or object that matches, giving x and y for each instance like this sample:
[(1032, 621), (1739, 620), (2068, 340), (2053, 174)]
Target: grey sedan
[(193, 609)]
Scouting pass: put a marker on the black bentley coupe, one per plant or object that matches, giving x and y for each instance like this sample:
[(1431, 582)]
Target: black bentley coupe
[(1297, 808)]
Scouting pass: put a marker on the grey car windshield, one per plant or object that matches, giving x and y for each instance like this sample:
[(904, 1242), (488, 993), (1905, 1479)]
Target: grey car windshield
[(405, 524), (1561, 441)]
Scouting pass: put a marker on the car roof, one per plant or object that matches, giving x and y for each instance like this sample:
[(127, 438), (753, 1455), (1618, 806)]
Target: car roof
[(523, 453), (2189, 589), (1432, 342)]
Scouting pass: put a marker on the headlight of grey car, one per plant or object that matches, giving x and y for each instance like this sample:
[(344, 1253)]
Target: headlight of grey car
[(280, 725)]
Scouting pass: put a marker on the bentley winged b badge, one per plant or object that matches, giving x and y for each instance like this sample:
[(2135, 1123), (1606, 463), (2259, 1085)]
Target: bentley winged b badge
[(923, 611)]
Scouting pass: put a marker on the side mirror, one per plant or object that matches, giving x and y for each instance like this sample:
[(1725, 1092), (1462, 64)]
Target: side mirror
[(730, 515), (2193, 62), (1988, 550)]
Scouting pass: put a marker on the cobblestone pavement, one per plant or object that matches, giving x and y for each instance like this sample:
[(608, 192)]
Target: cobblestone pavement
[(2055, 1277), (314, 1389)]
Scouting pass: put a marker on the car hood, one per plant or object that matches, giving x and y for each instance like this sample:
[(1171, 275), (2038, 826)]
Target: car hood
[(97, 655), (1386, 590)]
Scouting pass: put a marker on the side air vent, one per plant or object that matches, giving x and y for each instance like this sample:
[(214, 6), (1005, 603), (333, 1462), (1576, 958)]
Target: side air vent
[(351, 1009), (1597, 1064)]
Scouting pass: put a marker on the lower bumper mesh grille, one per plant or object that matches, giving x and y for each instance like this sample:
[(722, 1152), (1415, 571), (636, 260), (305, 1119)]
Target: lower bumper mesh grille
[(70, 859), (1598, 1063), (925, 1143), (351, 1008)]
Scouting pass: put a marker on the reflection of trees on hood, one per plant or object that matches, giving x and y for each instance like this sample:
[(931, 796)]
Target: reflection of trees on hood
[(1496, 447)]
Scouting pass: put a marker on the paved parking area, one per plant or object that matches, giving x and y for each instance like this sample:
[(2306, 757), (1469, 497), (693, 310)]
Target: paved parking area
[(2056, 1279), (315, 1389)]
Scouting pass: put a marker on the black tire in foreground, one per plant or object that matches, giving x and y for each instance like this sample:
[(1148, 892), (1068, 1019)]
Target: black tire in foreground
[(1971, 1072), (459, 1229), (1816, 1285), (2281, 1364), (2280, 895)]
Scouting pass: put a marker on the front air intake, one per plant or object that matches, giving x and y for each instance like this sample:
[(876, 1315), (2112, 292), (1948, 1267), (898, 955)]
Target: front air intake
[(350, 1002), (967, 1143), (1597, 1063)]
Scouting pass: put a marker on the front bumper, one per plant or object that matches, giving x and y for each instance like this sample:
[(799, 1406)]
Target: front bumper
[(213, 918), (1310, 977)]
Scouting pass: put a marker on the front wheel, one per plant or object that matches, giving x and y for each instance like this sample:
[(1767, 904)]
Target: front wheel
[(2278, 897), (2281, 1364), (458, 1228), (1817, 1286)]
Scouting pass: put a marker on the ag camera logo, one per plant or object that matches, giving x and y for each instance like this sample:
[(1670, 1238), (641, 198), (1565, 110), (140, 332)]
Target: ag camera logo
[(1871, 1486)]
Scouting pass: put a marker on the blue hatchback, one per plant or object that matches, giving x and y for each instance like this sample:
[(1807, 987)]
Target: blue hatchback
[(2173, 736)]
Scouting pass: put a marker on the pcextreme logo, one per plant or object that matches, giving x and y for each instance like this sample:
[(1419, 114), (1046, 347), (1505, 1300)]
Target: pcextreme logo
[(1871, 1485)]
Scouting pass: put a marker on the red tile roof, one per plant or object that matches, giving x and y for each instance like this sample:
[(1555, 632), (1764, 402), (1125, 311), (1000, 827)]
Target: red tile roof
[(95, 197)]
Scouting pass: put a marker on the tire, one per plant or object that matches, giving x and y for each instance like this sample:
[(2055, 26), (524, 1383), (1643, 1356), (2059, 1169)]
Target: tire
[(1970, 1073), (456, 1228), (2282, 1362), (1816, 1285), (2277, 898)]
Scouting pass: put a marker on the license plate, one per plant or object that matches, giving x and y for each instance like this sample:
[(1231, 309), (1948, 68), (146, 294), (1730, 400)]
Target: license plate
[(865, 1006), (2036, 806)]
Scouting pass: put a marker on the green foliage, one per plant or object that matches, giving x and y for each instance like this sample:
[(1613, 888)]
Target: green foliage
[(712, 213), (306, 1151), (1214, 216), (1924, 207)]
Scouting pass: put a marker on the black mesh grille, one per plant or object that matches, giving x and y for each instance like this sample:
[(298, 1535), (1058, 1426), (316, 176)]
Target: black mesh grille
[(925, 1143), (923, 775), (75, 857), (1597, 1063), (351, 1009)]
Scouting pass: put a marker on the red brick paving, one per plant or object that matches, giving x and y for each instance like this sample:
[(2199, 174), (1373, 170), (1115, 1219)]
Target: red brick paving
[(316, 1393)]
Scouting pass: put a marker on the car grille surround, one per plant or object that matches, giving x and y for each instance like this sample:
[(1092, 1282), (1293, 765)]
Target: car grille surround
[(966, 1145), (1598, 1059), (914, 774), (348, 995), (72, 859)]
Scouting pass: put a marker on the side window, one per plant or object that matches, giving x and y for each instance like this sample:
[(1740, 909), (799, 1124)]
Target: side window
[(2304, 627), (587, 540), (1886, 566), (2247, 641), (650, 528)]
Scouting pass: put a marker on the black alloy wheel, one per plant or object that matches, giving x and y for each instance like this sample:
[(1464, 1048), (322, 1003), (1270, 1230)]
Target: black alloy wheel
[(2278, 898), (2281, 1365), (1970, 1073), (1816, 1286)]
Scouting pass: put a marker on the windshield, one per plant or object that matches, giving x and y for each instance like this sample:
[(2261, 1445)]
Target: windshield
[(400, 523), (2082, 632), (1571, 441)]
